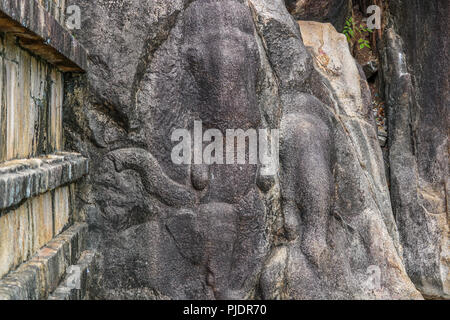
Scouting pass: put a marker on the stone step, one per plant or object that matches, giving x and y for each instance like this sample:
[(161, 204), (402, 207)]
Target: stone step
[(38, 277), (37, 197), (23, 179), (40, 32), (78, 278)]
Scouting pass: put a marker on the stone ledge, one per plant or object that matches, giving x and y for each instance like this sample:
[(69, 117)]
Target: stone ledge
[(37, 278), (22, 179), (86, 266), (39, 32)]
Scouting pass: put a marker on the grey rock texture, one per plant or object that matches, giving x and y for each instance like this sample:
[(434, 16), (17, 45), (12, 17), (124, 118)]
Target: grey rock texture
[(212, 242), (332, 174), (415, 73), (370, 68), (322, 228), (333, 11)]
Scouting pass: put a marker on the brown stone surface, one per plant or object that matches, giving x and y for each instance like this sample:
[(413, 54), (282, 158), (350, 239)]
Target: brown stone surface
[(25, 230), (32, 95), (42, 34), (40, 276), (57, 8)]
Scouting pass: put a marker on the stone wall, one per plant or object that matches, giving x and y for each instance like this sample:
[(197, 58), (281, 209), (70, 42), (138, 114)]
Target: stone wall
[(36, 203), (32, 92), (39, 238), (57, 8), (26, 229)]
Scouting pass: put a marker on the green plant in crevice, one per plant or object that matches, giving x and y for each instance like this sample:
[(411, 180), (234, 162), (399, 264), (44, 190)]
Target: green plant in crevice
[(348, 28), (351, 30), (363, 43)]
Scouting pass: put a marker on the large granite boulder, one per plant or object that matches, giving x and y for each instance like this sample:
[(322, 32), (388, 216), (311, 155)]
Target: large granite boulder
[(332, 175), (322, 227)]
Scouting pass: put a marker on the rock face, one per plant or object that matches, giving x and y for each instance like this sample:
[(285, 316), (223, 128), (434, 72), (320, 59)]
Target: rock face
[(323, 227), (333, 11), (335, 200), (415, 72)]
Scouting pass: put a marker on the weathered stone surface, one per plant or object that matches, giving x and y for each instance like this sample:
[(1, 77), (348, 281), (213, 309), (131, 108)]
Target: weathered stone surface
[(37, 198), (75, 286), (24, 230), (23, 179), (322, 228), (333, 11), (346, 91), (332, 175), (57, 8), (32, 96), (42, 34), (370, 68), (37, 278), (214, 239), (417, 104), (37, 192)]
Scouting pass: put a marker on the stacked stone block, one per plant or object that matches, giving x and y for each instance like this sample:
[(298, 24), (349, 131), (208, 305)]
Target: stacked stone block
[(39, 239)]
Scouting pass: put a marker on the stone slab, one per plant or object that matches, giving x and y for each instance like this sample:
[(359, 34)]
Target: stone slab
[(37, 278), (42, 34), (75, 286), (22, 179)]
